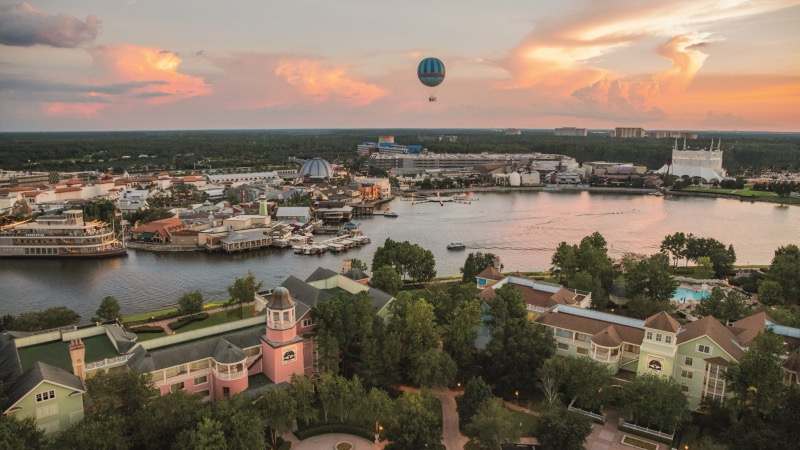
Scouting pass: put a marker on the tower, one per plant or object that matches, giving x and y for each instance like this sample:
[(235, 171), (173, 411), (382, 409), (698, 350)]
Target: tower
[(77, 354), (281, 346), (660, 345), (263, 210)]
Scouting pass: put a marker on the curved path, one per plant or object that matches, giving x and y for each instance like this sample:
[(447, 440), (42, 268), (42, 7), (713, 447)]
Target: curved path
[(328, 441)]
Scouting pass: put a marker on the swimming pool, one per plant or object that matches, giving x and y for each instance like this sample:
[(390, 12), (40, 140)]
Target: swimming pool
[(683, 294)]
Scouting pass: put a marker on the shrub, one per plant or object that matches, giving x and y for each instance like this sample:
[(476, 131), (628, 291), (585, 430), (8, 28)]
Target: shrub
[(182, 322), (147, 329)]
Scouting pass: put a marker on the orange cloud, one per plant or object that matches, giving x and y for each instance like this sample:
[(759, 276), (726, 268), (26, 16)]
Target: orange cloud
[(155, 70), (71, 109), (313, 79)]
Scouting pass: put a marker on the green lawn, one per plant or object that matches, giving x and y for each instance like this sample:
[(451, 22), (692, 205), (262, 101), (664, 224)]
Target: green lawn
[(740, 192), (528, 422), (147, 315), (217, 318), (141, 337)]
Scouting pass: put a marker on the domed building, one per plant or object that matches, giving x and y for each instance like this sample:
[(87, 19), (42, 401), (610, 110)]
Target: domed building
[(317, 169)]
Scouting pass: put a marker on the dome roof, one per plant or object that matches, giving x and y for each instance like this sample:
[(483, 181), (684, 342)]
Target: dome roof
[(281, 299), (316, 168)]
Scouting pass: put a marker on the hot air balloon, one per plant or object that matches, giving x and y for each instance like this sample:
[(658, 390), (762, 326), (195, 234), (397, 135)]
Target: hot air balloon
[(431, 73)]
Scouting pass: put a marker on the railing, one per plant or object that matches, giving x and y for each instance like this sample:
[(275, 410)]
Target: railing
[(630, 355), (599, 417), (182, 377), (107, 362), (648, 430), (234, 375)]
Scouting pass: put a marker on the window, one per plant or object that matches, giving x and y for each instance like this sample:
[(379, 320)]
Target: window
[(563, 333), (563, 346), (668, 339), (47, 411), (286, 316), (649, 335), (688, 361), (704, 349), (307, 322), (583, 337), (583, 351), (276, 316), (201, 380), (684, 388), (46, 395), (658, 337), (176, 387), (687, 374)]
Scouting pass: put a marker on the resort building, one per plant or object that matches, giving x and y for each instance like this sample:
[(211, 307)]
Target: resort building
[(695, 354), (705, 164), (407, 164), (43, 374), (571, 131), (539, 297), (628, 132)]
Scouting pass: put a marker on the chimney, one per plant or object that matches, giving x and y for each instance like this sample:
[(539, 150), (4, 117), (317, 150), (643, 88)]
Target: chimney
[(77, 353)]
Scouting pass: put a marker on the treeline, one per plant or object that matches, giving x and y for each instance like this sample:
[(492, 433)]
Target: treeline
[(262, 149)]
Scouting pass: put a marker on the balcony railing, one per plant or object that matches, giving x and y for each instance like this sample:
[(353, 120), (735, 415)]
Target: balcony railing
[(182, 377), (107, 362), (232, 375)]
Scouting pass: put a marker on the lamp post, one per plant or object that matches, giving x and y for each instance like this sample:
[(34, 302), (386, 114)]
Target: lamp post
[(516, 397), (458, 391)]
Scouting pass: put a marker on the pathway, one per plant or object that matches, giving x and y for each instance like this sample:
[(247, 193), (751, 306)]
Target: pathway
[(163, 323)]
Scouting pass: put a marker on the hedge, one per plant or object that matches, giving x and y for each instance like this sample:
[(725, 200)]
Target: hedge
[(147, 329), (645, 435), (335, 428), (180, 323)]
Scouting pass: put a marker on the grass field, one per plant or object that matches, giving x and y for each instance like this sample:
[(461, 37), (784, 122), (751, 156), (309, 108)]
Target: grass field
[(147, 315), (217, 318)]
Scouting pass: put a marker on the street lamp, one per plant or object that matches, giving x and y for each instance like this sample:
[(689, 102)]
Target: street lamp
[(459, 388), (516, 397)]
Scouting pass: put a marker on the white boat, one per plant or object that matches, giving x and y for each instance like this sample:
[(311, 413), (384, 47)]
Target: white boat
[(456, 246)]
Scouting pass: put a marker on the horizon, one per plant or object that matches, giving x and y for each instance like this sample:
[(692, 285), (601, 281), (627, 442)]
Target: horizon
[(94, 66)]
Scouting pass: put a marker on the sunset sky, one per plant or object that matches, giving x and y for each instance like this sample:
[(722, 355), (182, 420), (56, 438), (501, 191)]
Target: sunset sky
[(198, 64)]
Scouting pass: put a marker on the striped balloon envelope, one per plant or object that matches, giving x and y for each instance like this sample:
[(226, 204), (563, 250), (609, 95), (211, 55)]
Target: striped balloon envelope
[(431, 72)]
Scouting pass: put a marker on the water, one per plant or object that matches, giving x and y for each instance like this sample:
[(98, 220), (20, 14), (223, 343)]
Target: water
[(523, 228), (683, 294)]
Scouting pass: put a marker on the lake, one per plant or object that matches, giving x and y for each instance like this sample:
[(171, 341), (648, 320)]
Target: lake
[(523, 228)]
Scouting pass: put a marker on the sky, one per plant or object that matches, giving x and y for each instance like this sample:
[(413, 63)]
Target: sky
[(95, 65)]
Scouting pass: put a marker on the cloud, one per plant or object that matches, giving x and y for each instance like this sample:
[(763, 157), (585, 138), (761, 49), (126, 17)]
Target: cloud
[(82, 109), (269, 81), (24, 25), (563, 58), (152, 73)]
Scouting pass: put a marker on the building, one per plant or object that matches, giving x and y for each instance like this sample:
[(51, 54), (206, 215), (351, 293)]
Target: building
[(537, 295), (705, 164), (235, 179), (300, 214), (513, 132), (622, 132), (695, 354), (386, 146), (406, 164), (43, 374), (571, 131), (158, 231), (672, 134)]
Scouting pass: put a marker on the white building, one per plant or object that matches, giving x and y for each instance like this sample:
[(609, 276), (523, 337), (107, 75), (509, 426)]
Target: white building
[(706, 164)]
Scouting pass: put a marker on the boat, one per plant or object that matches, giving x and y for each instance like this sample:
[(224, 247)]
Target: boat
[(61, 236), (456, 246), (391, 214)]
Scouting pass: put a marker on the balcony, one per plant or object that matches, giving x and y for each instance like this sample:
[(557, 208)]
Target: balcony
[(232, 374), (107, 362), (183, 376)]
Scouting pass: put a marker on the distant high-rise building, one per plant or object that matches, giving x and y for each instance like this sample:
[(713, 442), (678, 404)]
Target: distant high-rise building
[(513, 131), (571, 131), (623, 132), (673, 134)]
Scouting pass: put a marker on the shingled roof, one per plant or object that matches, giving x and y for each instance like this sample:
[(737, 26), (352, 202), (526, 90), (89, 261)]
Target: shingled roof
[(41, 372), (720, 334), (607, 337), (663, 322)]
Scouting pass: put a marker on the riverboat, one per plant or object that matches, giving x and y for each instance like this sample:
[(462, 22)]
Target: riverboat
[(391, 214), (456, 246), (60, 236)]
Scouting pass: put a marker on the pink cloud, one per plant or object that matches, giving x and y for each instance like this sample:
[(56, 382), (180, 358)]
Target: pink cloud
[(71, 109)]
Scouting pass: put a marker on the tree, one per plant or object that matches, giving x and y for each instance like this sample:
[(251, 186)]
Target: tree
[(476, 393), (108, 310), (278, 410), (675, 245), (724, 306), (241, 292), (705, 268), (16, 432), (94, 432), (416, 423), (493, 425), (208, 434), (459, 334), (377, 409), (386, 279), (642, 307), (406, 258), (241, 423), (190, 303), (432, 368), (516, 351), (757, 379), (21, 210), (770, 293), (785, 270), (413, 331), (55, 317), (586, 381), (652, 277), (561, 429), (123, 393), (302, 391), (164, 417), (638, 405), (358, 264), (423, 265), (475, 264)]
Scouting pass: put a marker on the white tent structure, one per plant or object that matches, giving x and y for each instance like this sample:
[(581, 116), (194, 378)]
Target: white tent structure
[(706, 164)]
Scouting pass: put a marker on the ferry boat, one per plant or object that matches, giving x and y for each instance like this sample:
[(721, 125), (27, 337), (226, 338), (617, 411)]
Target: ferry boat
[(60, 236), (456, 246), (391, 214)]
